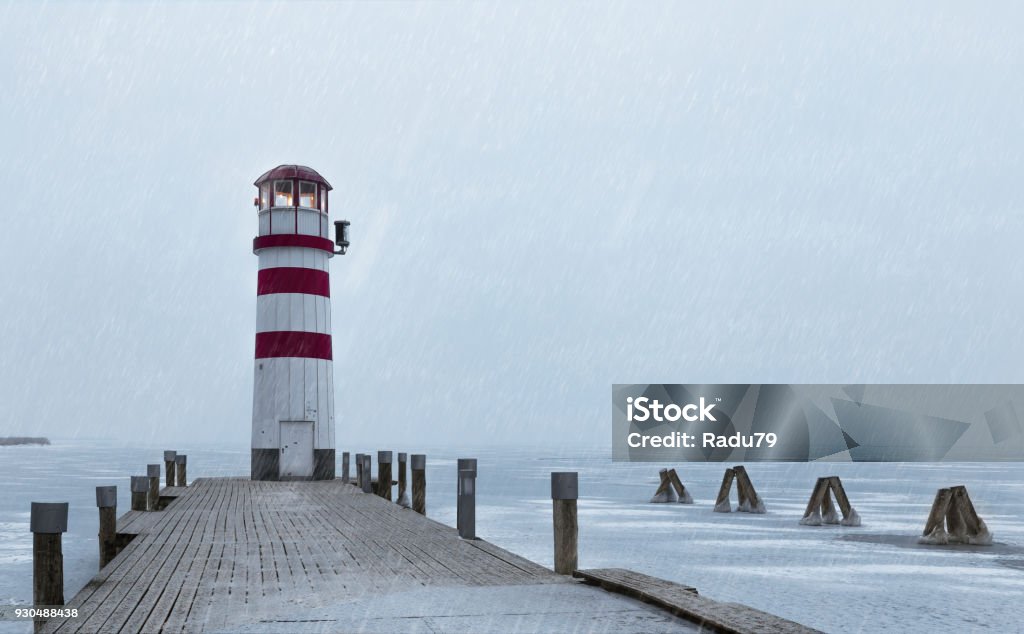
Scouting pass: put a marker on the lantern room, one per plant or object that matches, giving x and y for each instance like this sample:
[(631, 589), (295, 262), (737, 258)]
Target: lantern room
[(292, 199)]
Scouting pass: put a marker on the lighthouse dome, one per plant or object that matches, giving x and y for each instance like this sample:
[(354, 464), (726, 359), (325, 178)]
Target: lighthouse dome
[(293, 172)]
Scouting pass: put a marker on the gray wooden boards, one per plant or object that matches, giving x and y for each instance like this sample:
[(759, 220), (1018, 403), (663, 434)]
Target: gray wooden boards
[(953, 520), (684, 601), (820, 509), (749, 502), (228, 550)]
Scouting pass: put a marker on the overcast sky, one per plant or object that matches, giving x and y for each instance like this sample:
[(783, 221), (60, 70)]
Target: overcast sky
[(545, 199)]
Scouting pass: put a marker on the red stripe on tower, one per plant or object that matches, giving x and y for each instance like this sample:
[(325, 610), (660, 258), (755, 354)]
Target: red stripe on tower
[(292, 240), (306, 345), (287, 279)]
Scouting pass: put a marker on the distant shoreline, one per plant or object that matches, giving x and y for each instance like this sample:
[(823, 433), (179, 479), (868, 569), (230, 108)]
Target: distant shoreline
[(23, 440)]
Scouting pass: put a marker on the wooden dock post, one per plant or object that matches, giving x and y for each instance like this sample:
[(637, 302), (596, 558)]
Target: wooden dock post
[(47, 521), (344, 467), (665, 492), (722, 504), (466, 522), (179, 467), (384, 474), (367, 473), (403, 494), (140, 492), (677, 484), (418, 465), (106, 502), (153, 495), (169, 465), (564, 494), (467, 464)]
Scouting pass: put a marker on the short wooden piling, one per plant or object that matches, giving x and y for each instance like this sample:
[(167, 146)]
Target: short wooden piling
[(965, 508), (749, 500), (180, 461), (384, 474), (403, 495), (466, 505), (665, 492), (47, 522), (722, 504), (935, 527), (169, 467), (954, 520), (564, 494), (106, 502), (812, 514), (820, 509), (153, 494), (841, 499), (140, 492), (418, 465), (344, 467), (677, 484)]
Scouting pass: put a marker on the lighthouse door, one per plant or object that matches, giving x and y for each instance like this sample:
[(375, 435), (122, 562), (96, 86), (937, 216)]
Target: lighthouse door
[(296, 449)]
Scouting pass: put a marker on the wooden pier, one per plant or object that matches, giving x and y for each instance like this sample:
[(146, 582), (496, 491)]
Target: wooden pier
[(232, 554)]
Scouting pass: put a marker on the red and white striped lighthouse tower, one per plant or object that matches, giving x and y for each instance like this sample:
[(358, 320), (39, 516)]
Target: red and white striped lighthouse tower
[(293, 391)]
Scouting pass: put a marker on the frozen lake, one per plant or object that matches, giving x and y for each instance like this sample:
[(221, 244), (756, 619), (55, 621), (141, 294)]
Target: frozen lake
[(837, 579)]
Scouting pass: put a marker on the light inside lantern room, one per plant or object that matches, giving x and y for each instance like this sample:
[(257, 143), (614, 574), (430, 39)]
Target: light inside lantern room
[(307, 194), (282, 193)]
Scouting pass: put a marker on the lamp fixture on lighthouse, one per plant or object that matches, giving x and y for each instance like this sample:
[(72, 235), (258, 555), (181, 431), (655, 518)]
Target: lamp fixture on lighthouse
[(341, 236)]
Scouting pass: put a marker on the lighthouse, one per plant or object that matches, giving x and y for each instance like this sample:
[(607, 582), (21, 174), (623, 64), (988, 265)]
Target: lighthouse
[(293, 389)]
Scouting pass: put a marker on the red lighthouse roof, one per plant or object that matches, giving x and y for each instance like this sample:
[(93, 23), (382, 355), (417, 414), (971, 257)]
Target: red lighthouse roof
[(293, 171)]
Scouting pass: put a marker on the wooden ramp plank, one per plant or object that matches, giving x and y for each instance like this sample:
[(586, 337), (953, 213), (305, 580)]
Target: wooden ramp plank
[(685, 602)]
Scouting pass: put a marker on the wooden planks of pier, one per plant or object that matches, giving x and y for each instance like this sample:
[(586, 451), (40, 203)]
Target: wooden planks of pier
[(232, 551)]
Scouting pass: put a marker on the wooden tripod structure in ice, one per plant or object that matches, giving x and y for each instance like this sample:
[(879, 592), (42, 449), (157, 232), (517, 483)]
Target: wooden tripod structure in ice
[(749, 501), (953, 520), (820, 509), (671, 489)]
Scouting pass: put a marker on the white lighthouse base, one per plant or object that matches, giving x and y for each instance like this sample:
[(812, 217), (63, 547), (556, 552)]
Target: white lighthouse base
[(266, 465)]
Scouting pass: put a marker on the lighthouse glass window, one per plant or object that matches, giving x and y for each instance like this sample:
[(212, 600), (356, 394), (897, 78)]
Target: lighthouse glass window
[(307, 194), (264, 195), (282, 193)]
